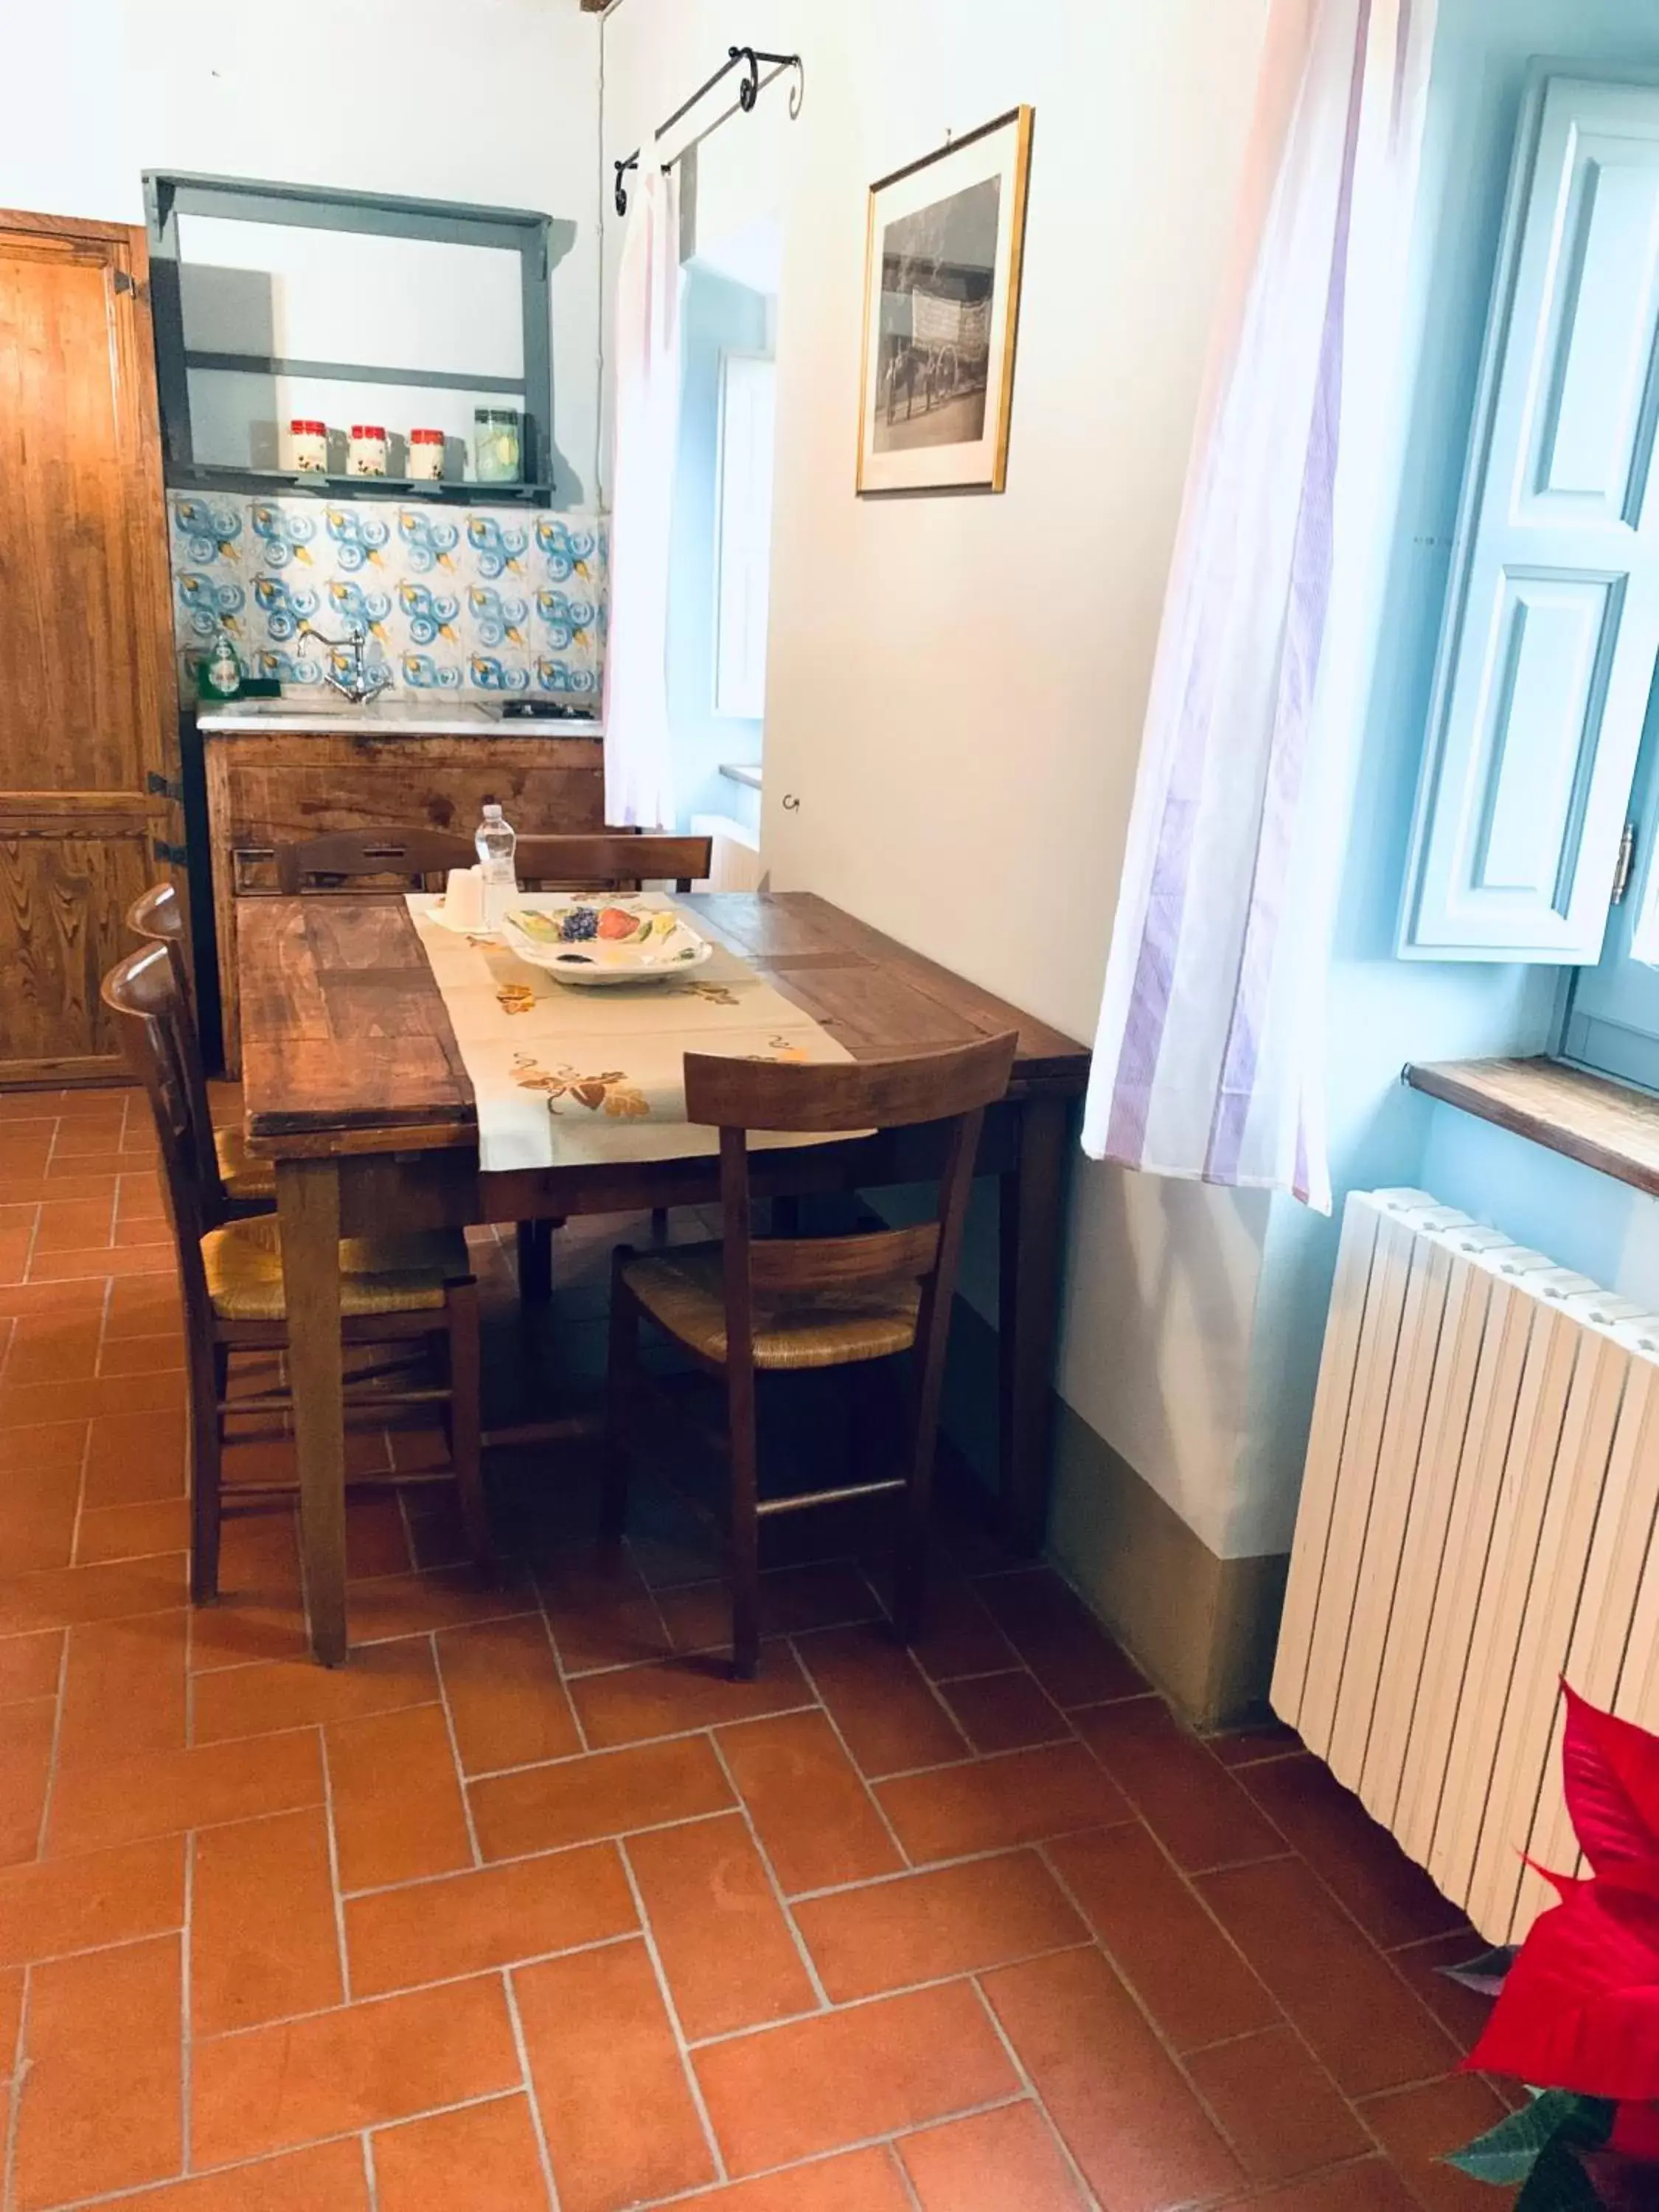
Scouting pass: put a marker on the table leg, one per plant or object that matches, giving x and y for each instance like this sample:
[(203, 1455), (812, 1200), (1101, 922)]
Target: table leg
[(1030, 1230), (308, 1209), (536, 1262)]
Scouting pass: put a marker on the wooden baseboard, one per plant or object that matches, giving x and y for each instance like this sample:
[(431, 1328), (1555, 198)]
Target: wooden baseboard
[(102, 1073)]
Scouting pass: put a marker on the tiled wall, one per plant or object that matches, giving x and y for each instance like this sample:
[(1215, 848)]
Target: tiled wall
[(457, 598)]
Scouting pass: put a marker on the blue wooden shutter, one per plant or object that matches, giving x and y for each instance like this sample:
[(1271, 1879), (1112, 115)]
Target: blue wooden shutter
[(1551, 626)]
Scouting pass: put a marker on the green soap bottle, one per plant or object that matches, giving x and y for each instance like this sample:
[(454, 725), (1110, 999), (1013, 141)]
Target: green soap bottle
[(220, 676)]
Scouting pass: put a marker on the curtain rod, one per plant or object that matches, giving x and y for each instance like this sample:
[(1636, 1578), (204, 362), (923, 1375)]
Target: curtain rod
[(747, 94)]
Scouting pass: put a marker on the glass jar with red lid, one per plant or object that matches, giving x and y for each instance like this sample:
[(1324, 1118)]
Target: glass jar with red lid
[(426, 456), (307, 444), (367, 457)]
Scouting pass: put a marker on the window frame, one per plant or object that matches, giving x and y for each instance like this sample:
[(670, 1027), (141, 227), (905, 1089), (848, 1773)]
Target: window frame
[(1615, 1037)]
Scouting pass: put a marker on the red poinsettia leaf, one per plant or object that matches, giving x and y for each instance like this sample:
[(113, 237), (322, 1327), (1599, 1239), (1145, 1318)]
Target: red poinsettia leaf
[(1610, 1769), (1579, 2009), (1636, 2130), (1563, 1884)]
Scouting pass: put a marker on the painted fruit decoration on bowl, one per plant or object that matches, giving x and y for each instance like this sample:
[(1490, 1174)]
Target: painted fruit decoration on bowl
[(607, 940), (610, 925), (618, 927)]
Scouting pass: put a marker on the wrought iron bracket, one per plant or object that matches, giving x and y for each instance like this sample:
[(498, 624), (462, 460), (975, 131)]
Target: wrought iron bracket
[(749, 92)]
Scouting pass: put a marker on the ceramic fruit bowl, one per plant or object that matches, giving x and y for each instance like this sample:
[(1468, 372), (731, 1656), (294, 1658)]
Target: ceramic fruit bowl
[(605, 941)]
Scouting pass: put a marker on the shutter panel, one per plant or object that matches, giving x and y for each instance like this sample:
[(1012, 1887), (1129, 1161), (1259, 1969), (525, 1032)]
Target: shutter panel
[(1552, 623), (748, 406)]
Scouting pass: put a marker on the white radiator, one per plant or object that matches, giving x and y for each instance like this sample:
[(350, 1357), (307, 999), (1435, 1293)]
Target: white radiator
[(1477, 1518), (735, 859)]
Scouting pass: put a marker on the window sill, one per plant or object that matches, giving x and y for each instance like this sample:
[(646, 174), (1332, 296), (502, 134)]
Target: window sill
[(1604, 1125), (747, 772)]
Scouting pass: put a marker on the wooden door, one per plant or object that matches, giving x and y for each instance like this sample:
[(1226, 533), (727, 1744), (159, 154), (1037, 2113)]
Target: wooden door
[(89, 708)]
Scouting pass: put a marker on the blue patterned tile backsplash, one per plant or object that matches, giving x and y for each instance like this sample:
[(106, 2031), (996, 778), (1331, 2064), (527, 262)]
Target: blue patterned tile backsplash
[(464, 599)]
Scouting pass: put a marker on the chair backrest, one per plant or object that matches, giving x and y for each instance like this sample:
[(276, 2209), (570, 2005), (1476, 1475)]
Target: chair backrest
[(158, 916), (612, 861), (736, 1095), (607, 860), (409, 856), (143, 992), (800, 1096)]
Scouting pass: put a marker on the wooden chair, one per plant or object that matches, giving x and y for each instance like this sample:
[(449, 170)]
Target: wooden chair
[(392, 1289), (158, 916), (605, 860), (612, 861), (746, 1306), (414, 857)]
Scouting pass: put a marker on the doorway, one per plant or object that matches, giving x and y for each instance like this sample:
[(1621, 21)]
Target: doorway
[(717, 615)]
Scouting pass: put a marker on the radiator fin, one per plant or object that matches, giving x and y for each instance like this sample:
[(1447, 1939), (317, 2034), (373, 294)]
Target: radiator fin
[(1478, 1517)]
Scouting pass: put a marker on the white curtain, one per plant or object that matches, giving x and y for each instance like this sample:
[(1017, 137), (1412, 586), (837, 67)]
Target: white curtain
[(639, 791), (1210, 1063)]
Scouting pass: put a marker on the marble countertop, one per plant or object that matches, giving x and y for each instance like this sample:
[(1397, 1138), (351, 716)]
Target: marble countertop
[(400, 716)]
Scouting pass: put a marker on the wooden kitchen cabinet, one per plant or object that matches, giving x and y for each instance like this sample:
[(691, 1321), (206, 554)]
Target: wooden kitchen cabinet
[(88, 713), (269, 787)]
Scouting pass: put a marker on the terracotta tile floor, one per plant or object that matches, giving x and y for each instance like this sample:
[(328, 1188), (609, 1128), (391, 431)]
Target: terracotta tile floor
[(531, 1906)]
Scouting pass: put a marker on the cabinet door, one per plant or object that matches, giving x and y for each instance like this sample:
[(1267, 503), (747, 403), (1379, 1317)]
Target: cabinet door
[(1552, 623), (88, 713)]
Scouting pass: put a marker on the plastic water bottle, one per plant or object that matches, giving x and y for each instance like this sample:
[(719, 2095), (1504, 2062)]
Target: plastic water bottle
[(496, 841)]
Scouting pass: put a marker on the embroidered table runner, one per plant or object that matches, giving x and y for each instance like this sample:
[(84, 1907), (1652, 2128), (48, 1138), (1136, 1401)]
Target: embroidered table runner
[(564, 1075)]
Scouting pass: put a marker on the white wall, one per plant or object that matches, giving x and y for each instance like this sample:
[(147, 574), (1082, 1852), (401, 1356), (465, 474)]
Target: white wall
[(357, 95), (956, 683)]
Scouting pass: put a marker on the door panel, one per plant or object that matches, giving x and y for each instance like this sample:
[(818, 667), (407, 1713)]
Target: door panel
[(1593, 451), (1553, 638), (62, 900), (88, 712), (1552, 625)]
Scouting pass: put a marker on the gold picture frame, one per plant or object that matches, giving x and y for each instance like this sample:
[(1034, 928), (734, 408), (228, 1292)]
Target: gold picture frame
[(944, 247)]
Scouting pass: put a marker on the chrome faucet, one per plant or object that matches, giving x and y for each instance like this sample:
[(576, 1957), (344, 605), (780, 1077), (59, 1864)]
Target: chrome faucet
[(360, 683)]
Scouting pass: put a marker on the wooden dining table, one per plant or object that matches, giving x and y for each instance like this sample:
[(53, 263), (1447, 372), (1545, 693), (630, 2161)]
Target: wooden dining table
[(354, 1087)]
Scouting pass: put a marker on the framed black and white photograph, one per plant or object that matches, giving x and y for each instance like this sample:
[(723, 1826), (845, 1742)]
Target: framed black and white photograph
[(940, 313)]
